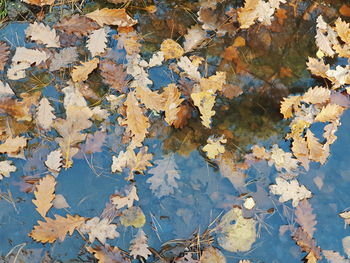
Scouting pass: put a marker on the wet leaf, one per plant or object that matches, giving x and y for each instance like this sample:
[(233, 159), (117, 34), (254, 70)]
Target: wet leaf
[(6, 167), (54, 161), (42, 34), (4, 54), (81, 73), (305, 217), (171, 49), (139, 245), (97, 41), (116, 17), (99, 229), (205, 101), (113, 74), (331, 112), (128, 200), (57, 228), (133, 216), (78, 25), (212, 255), (63, 58), (44, 115), (108, 254), (215, 146), (171, 95), (44, 195)]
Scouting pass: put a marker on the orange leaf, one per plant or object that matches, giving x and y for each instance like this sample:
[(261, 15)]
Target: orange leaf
[(44, 195), (116, 17), (55, 229)]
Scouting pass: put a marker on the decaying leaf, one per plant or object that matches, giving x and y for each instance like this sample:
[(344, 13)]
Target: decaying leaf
[(116, 17), (78, 25), (139, 245), (99, 229), (63, 58), (113, 74), (305, 217), (214, 146), (133, 216), (237, 236), (42, 34), (290, 191), (108, 254), (57, 228), (81, 73), (44, 195)]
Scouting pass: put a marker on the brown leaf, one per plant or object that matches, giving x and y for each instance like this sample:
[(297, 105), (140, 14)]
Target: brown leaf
[(183, 115), (136, 122), (306, 243), (78, 25), (301, 151), (44, 195), (81, 73), (116, 17), (305, 217), (39, 2), (4, 54), (231, 91), (344, 10), (113, 75), (54, 229)]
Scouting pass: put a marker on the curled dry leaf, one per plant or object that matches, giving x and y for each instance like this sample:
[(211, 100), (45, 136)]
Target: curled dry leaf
[(42, 34), (81, 73), (44, 195), (115, 17), (57, 228)]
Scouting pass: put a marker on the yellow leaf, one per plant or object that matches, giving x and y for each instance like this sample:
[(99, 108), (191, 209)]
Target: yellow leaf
[(44, 195), (317, 95), (260, 152), (171, 49), (301, 151), (133, 216), (214, 146), (213, 83), (343, 30), (247, 14), (315, 148), (13, 145), (55, 229), (152, 99), (288, 104), (171, 95), (205, 102), (136, 122), (81, 73), (331, 112), (115, 17)]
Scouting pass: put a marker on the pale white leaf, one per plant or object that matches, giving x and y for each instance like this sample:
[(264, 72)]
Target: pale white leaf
[(44, 115), (97, 42)]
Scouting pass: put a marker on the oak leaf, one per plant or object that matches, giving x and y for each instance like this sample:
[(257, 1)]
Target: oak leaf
[(194, 37), (39, 2), (44, 195), (288, 104), (128, 200), (190, 69), (44, 115), (247, 14), (81, 73), (78, 25), (205, 101), (97, 41), (139, 245), (317, 67), (13, 145), (334, 257), (213, 83), (290, 191), (171, 94), (99, 229), (317, 95), (116, 17), (151, 99), (4, 54), (163, 182), (316, 151), (330, 112), (343, 30), (305, 217), (113, 74), (306, 242), (57, 228), (136, 122), (42, 34), (54, 161), (301, 151), (214, 146), (108, 254)]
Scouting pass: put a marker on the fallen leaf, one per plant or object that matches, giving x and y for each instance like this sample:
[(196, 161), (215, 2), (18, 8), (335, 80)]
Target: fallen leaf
[(330, 112), (133, 216), (44, 115), (54, 229), (99, 229), (13, 145), (39, 2), (6, 167), (78, 25), (54, 161), (305, 217), (5, 90), (139, 245), (4, 54), (212, 255), (60, 202), (44, 195), (151, 99), (108, 254), (214, 146), (113, 74), (194, 38), (116, 17), (171, 94), (42, 34), (63, 58), (128, 200), (205, 101), (171, 49), (316, 95), (81, 73), (97, 41)]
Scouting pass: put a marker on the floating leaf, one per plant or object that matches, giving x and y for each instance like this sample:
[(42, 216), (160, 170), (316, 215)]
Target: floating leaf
[(139, 246), (97, 41), (214, 146), (116, 17), (78, 25), (99, 229), (6, 167), (171, 49), (42, 34), (44, 115), (44, 195), (81, 73), (133, 216)]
